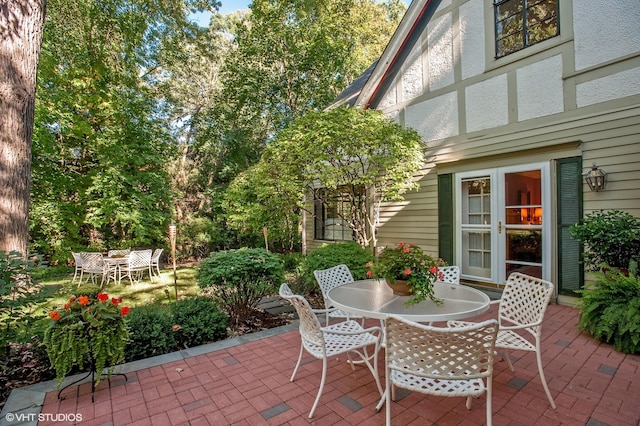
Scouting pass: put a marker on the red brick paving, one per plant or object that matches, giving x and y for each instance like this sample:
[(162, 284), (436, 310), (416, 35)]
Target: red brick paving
[(249, 384)]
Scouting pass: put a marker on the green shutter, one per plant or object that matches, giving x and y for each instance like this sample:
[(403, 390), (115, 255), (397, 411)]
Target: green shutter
[(445, 218), (570, 269)]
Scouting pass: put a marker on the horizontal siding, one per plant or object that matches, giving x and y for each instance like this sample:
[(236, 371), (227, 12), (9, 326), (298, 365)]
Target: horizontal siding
[(615, 148), (515, 138), (414, 220)]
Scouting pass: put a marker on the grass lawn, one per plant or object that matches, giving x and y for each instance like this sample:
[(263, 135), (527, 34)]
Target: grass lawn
[(145, 292), (56, 288)]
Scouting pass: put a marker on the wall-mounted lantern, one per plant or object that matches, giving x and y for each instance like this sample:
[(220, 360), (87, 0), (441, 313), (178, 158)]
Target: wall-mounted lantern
[(596, 178)]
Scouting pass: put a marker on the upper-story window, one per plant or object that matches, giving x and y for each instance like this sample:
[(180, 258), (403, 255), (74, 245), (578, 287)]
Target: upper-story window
[(523, 23)]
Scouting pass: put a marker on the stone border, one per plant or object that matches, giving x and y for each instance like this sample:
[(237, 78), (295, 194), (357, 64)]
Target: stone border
[(30, 399)]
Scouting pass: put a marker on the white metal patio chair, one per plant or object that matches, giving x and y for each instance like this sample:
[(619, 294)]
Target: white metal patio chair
[(92, 265), (520, 313), (440, 361), (77, 259), (155, 261), (450, 274), (328, 279), (120, 252), (325, 342), (138, 262)]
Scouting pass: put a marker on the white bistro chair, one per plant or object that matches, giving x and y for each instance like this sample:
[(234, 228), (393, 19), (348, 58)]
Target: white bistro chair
[(92, 265), (520, 314), (325, 342), (450, 274), (120, 252), (138, 262), (440, 361), (77, 259), (155, 261), (328, 279)]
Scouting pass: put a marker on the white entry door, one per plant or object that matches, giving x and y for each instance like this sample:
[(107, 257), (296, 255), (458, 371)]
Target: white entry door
[(503, 222)]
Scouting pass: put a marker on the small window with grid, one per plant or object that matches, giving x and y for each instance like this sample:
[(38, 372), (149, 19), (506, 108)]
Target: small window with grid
[(332, 209), (523, 23)]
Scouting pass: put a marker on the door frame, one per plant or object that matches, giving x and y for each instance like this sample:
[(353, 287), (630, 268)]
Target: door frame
[(497, 197)]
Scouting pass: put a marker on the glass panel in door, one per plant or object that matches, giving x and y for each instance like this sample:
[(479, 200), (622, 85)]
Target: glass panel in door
[(523, 222), (476, 227)]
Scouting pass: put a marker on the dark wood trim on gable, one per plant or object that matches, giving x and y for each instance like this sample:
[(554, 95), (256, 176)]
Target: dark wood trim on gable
[(417, 29)]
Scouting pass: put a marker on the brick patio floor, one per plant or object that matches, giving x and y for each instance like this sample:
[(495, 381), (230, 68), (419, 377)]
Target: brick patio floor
[(248, 384)]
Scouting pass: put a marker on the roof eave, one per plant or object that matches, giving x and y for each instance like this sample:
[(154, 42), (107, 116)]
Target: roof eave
[(414, 21)]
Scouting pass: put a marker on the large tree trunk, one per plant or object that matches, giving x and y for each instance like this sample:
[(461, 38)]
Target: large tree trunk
[(21, 25)]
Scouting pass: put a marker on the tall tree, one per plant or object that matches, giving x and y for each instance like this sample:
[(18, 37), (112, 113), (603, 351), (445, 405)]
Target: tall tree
[(21, 23), (298, 55), (102, 141), (295, 56), (190, 85), (361, 155)]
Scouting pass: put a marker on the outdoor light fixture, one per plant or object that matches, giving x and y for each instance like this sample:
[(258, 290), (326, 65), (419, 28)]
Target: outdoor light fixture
[(595, 178)]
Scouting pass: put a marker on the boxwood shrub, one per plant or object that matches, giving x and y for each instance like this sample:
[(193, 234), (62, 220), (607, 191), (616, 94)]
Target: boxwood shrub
[(200, 321), (239, 279), (150, 332), (329, 255)]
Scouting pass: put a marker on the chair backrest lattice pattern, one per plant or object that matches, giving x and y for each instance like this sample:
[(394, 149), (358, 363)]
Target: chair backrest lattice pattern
[(120, 252), (450, 274), (310, 329), (330, 278), (441, 354), (139, 260), (92, 262), (156, 255), (524, 301), (77, 258)]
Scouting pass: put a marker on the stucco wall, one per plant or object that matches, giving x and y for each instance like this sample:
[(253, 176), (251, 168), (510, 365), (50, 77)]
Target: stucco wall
[(605, 30), (577, 94)]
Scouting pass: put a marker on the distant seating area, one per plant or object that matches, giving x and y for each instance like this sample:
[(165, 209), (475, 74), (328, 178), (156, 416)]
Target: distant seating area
[(116, 265)]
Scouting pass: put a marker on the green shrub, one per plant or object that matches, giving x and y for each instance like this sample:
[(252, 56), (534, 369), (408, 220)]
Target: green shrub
[(18, 298), (200, 321), (611, 237), (292, 261), (329, 255), (150, 332), (239, 279), (610, 310)]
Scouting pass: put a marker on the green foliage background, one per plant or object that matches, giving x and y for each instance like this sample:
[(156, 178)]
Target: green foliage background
[(144, 118), (330, 255)]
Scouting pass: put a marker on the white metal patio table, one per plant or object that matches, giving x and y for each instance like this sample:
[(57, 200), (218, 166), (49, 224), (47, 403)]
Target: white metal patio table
[(113, 267), (375, 299)]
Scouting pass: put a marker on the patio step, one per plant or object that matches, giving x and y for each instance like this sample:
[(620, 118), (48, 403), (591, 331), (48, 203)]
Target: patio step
[(275, 305)]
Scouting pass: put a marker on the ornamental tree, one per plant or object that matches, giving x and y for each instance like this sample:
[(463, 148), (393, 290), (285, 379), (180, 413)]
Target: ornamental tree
[(361, 154)]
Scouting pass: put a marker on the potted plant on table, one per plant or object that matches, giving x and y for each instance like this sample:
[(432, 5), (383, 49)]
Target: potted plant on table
[(408, 270), (87, 331)]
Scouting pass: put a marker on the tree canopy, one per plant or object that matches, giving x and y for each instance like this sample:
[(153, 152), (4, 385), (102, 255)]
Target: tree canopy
[(360, 154), (143, 118)]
